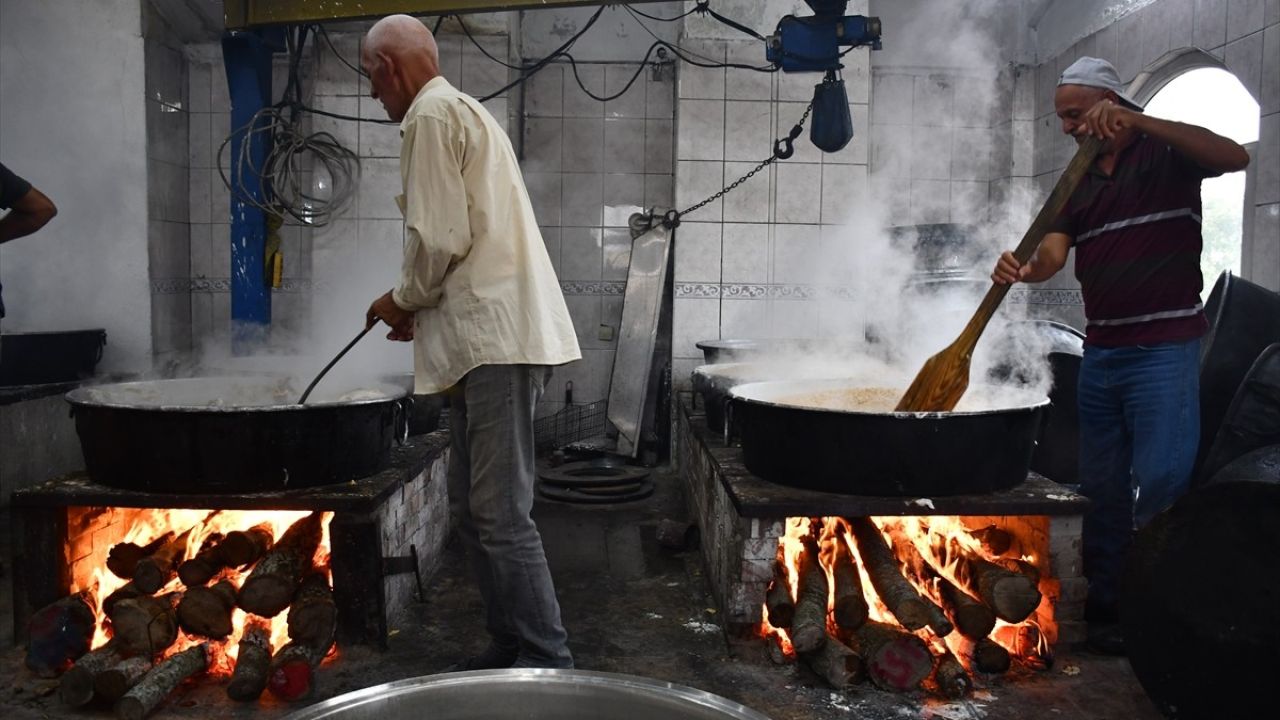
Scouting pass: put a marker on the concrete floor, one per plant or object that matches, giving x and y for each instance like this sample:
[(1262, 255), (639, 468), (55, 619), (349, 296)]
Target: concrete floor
[(630, 607)]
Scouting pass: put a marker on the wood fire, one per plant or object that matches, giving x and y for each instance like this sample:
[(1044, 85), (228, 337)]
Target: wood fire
[(906, 601), (188, 592)]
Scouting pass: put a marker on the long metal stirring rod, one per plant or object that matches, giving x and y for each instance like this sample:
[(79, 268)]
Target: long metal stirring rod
[(306, 393)]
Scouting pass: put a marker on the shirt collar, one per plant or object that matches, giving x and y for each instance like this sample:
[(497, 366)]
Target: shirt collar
[(435, 85)]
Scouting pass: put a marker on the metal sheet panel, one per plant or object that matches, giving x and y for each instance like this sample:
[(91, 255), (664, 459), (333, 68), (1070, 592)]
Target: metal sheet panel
[(633, 362), (254, 13)]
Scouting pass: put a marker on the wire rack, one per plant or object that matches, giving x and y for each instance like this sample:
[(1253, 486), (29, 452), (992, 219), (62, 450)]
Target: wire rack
[(572, 424)]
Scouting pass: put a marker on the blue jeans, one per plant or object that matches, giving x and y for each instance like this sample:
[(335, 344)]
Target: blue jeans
[(491, 476), (1139, 430)]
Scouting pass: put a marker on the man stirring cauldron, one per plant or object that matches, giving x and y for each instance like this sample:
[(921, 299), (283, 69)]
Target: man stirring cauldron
[(1134, 222), (480, 301)]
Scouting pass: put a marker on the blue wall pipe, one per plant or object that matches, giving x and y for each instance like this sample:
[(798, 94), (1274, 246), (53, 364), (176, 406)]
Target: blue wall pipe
[(247, 59)]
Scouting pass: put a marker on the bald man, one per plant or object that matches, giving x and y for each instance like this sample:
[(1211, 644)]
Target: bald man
[(480, 301)]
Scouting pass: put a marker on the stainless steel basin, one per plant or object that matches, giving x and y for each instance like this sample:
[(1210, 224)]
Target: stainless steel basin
[(528, 695)]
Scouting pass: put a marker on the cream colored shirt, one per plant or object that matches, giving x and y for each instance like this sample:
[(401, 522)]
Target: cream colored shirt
[(475, 272)]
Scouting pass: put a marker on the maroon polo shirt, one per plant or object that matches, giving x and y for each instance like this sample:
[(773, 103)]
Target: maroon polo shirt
[(1137, 239)]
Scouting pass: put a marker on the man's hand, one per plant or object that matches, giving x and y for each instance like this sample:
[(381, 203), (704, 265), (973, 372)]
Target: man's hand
[(1008, 270), (400, 321), (1107, 119)]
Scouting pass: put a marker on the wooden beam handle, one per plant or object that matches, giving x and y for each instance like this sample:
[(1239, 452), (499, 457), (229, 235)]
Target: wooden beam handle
[(1067, 183)]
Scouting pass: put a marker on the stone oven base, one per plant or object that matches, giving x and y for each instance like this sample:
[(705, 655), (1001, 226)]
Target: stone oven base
[(386, 535), (741, 518)]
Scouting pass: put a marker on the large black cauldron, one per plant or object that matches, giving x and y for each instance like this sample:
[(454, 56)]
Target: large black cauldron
[(886, 453), (234, 434)]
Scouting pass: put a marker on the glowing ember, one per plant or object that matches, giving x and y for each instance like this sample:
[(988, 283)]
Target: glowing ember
[(91, 572)]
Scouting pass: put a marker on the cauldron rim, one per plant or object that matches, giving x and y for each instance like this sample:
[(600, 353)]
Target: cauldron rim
[(744, 392), (90, 396)]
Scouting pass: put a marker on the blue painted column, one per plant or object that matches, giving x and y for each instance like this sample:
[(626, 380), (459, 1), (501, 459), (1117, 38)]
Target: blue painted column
[(247, 58)]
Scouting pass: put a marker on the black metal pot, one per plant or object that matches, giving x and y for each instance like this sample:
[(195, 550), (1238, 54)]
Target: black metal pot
[(233, 435), (37, 358), (884, 453), (1244, 319)]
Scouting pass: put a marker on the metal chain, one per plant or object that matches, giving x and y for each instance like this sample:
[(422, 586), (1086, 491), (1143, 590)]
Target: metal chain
[(783, 148)]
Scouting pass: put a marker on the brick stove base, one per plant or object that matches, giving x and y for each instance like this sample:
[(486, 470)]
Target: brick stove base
[(387, 532), (741, 518)]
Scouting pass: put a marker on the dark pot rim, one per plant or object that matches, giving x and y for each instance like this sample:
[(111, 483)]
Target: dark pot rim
[(744, 394), (85, 397)]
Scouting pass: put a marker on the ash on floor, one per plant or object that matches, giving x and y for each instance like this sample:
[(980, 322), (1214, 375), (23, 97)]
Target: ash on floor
[(630, 607)]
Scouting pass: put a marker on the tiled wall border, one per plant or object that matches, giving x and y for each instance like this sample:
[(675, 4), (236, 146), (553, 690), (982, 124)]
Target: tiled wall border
[(180, 286)]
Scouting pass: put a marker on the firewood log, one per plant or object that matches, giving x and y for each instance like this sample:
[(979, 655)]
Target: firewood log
[(253, 662), (894, 659), (950, 677), (59, 634), (836, 663), (123, 558), (778, 603), (778, 655), (1012, 596), (850, 607), (76, 686), (915, 567), (276, 577), (313, 616), (124, 592), (111, 684), (242, 547), (201, 568), (973, 619), (237, 548), (146, 625), (292, 674), (984, 655), (206, 611), (907, 605), (809, 627), (1021, 567), (157, 684), (155, 570), (1025, 643), (994, 540)]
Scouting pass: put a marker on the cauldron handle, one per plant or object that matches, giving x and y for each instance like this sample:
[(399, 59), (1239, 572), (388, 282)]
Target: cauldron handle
[(728, 419), (401, 411)]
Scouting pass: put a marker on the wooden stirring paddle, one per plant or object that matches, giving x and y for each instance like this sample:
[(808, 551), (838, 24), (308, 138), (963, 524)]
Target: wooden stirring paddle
[(942, 381)]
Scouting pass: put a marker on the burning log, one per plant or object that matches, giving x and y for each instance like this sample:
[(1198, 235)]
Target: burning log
[(111, 684), (995, 541), (60, 633), (809, 627), (910, 608), (850, 606), (157, 684), (157, 569), (778, 653), (237, 548), (124, 592), (146, 625), (207, 611), (1021, 567), (1026, 643), (253, 662), (123, 558), (76, 686), (277, 575), (777, 597), (313, 616), (894, 659), (951, 678), (836, 662), (1012, 596), (984, 656), (973, 619), (293, 671)]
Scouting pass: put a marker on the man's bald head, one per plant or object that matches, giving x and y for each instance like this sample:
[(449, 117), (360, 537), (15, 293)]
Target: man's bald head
[(400, 56)]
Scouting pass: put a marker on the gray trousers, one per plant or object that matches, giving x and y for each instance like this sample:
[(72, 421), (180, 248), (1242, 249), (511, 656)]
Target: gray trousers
[(491, 477)]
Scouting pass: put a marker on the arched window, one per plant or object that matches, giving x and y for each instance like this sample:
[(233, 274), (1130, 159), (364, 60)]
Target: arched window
[(1191, 86)]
